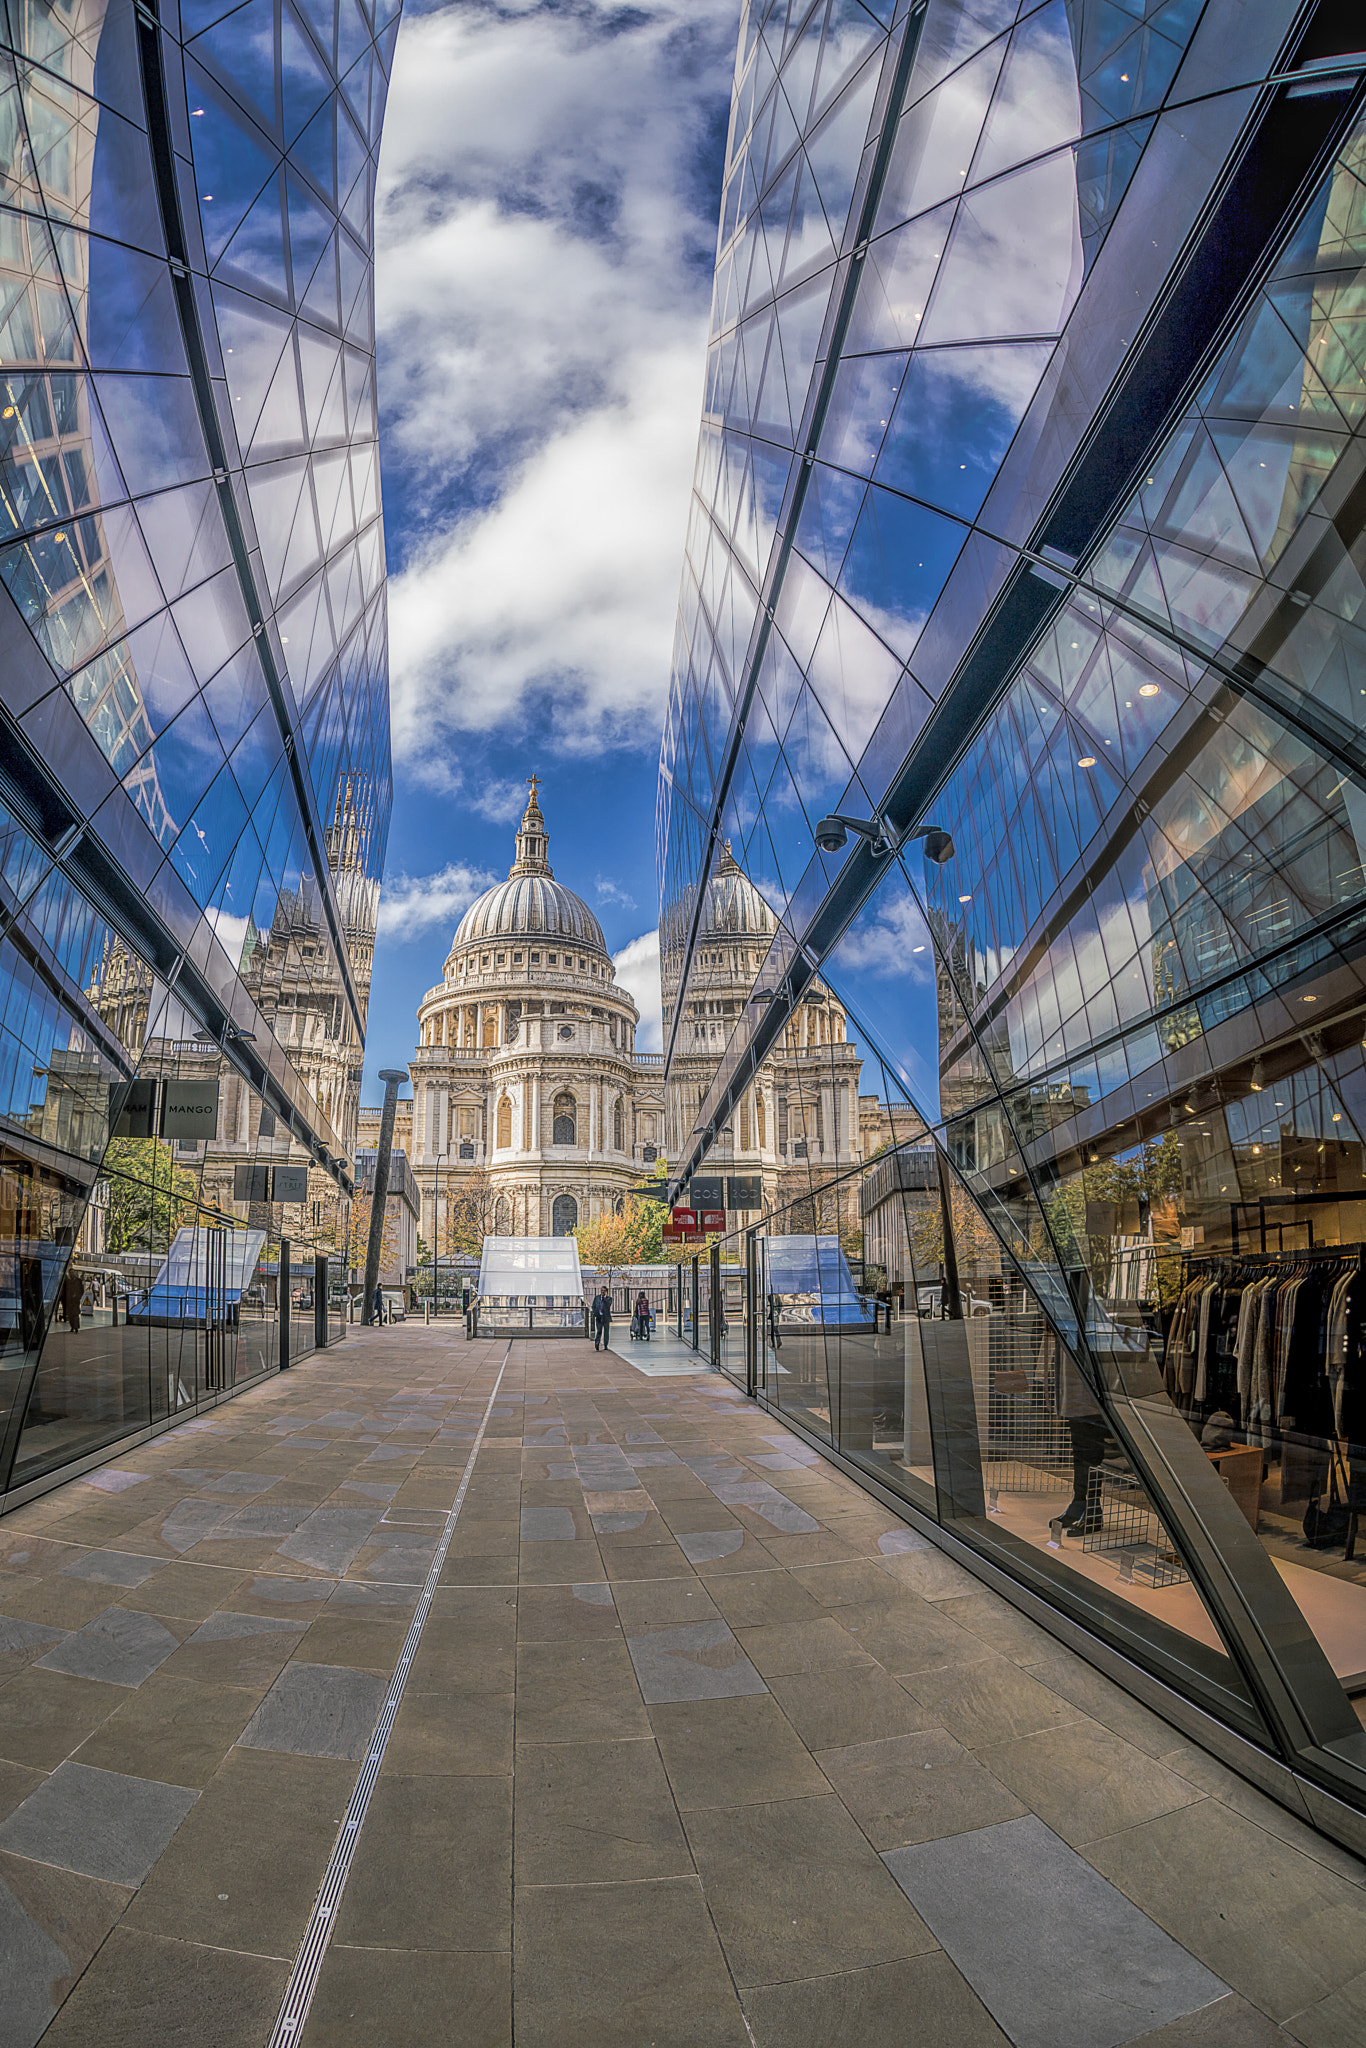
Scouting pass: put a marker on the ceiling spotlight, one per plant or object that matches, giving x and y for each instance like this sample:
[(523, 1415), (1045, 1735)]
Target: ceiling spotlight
[(1087, 761), (1257, 1082), (1148, 690)]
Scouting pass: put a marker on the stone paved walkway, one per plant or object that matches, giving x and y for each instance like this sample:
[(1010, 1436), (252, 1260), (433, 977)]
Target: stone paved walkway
[(700, 1747)]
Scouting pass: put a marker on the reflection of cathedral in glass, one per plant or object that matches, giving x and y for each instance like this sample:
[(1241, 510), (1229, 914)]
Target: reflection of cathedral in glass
[(195, 780), (1027, 531)]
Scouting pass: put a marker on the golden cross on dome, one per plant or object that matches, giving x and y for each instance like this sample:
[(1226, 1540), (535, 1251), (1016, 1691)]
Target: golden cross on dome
[(534, 781)]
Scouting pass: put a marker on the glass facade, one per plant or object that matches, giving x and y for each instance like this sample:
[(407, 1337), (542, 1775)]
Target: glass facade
[(1029, 528), (194, 734)]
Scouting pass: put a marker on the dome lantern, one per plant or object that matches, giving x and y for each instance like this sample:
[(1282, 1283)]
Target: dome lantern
[(530, 904)]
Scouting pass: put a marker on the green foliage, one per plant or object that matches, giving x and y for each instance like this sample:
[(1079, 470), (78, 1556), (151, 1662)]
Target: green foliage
[(149, 1195)]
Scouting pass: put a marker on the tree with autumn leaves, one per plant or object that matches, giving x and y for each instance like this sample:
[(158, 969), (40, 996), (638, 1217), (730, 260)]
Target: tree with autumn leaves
[(632, 1238)]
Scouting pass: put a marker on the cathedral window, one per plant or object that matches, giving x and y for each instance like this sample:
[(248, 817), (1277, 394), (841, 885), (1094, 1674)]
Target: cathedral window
[(516, 959), (535, 959), (564, 1216), (502, 1218), (565, 1122), (618, 1133), (504, 1122)]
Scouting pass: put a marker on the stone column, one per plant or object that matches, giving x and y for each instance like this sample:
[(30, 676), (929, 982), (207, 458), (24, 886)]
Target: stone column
[(535, 1113)]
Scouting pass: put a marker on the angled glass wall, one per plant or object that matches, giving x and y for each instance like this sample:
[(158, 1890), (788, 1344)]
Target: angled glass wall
[(1058, 596), (194, 741)]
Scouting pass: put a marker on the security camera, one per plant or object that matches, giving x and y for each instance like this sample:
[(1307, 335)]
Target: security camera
[(830, 835), (938, 846)]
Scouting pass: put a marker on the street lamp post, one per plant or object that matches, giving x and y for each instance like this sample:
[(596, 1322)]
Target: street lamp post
[(393, 1080), (436, 1234)]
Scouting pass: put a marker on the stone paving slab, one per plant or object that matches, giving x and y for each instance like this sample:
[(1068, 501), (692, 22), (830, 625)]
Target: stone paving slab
[(700, 1746)]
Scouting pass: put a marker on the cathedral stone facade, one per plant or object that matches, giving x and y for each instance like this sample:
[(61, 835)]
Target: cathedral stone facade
[(527, 1085), (802, 1120)]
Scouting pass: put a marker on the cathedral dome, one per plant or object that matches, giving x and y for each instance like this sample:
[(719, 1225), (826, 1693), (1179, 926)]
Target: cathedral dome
[(530, 903), (733, 904)]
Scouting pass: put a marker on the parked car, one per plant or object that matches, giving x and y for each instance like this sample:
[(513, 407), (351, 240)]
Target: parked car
[(930, 1302)]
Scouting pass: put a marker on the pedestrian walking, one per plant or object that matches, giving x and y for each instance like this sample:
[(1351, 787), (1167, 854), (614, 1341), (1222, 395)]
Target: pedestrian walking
[(602, 1320), (379, 1304), (643, 1317)]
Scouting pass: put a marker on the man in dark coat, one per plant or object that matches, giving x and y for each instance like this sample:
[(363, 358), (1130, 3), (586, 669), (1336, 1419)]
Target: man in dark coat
[(602, 1320)]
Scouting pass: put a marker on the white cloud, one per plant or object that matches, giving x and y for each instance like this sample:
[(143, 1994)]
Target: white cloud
[(889, 941), (542, 288), (412, 905), (637, 966), (608, 891)]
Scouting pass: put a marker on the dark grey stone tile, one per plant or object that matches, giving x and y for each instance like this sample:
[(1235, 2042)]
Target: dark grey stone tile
[(191, 1522), (51, 1923), (700, 1661), (762, 1499), (22, 1641), (1058, 1957), (227, 1625), (317, 1710), (548, 1525), (228, 1482), (112, 1568), (618, 1524), (286, 1592), (119, 1646), (330, 1538), (97, 1822), (704, 1546)]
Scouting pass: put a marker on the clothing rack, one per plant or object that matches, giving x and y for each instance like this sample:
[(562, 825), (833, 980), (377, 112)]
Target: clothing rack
[(1193, 1262), (1231, 1263)]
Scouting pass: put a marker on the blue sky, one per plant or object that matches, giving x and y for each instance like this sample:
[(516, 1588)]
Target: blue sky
[(550, 183)]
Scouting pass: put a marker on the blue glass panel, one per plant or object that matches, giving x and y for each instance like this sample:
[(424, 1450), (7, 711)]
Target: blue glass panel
[(231, 164), (241, 50), (172, 779), (1013, 265), (205, 846), (351, 151), (304, 80), (833, 502), (212, 622), (1036, 105), (122, 200), (154, 425), (955, 417), (320, 301), (897, 564), (255, 256), (236, 695), (315, 150), (836, 145), (131, 319), (253, 339), (257, 757), (310, 230), (1105, 164)]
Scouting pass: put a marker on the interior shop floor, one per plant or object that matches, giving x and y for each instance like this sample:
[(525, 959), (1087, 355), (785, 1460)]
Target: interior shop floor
[(698, 1746)]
